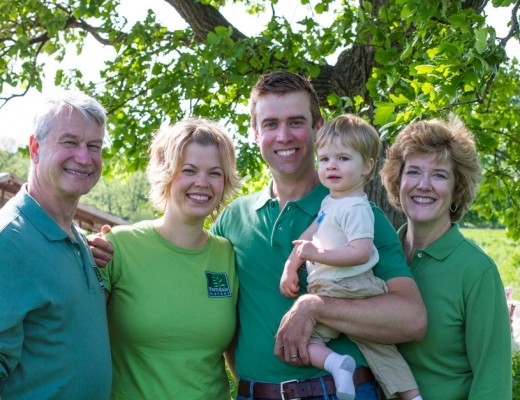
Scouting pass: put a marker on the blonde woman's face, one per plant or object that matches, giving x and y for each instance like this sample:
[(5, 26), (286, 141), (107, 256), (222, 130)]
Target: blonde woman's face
[(198, 187)]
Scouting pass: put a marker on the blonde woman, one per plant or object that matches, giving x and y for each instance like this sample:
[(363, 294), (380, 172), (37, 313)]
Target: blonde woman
[(171, 286)]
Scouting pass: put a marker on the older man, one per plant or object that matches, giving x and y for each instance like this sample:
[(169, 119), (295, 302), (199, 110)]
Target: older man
[(53, 332)]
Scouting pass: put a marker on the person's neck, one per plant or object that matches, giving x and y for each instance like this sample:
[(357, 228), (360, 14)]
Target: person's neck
[(290, 189), (61, 210), (182, 233), (421, 235), (354, 192)]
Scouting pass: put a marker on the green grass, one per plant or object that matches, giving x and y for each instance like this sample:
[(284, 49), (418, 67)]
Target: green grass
[(516, 376)]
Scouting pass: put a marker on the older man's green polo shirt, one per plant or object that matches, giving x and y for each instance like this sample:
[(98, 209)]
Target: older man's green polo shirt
[(53, 330)]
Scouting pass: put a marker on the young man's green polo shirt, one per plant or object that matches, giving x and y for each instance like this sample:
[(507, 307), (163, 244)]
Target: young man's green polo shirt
[(262, 235)]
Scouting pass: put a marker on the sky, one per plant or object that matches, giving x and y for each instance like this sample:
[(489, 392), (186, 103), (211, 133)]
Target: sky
[(15, 115)]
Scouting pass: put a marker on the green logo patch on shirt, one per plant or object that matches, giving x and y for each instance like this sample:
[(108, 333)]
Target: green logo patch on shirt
[(218, 284)]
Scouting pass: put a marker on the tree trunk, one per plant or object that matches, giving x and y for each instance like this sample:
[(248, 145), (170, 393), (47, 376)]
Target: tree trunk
[(202, 18), (347, 78), (377, 194)]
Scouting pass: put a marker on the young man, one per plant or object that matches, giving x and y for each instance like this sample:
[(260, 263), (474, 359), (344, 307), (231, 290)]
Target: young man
[(284, 118), (53, 329)]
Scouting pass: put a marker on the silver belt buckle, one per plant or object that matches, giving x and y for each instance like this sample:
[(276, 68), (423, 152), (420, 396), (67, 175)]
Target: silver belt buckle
[(282, 392)]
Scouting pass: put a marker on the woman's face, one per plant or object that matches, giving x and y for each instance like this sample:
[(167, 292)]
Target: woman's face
[(198, 187), (426, 189)]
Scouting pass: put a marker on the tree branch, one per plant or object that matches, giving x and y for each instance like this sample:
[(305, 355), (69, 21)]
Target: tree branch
[(513, 31), (73, 23), (477, 5), (203, 18)]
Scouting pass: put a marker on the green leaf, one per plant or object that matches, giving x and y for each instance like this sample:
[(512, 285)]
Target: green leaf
[(384, 113), (481, 40), (424, 69)]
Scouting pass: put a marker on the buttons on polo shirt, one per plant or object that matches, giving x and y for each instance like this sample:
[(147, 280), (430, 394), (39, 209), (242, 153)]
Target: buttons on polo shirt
[(420, 254)]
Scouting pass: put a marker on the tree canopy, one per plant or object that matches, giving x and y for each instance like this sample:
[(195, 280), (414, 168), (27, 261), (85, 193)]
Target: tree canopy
[(391, 61)]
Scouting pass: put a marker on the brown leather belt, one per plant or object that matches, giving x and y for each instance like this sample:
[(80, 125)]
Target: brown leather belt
[(297, 389)]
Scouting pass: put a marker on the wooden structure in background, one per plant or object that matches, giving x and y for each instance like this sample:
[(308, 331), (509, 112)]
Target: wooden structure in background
[(87, 217)]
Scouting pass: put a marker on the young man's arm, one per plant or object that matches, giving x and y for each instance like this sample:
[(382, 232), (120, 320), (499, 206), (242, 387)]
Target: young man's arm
[(398, 316)]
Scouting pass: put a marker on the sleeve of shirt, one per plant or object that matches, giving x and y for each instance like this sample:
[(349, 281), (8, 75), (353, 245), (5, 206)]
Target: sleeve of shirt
[(108, 273), (392, 262), (217, 226), (358, 222), (15, 302), (488, 338)]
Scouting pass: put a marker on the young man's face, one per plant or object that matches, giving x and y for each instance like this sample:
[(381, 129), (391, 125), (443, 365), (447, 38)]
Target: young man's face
[(284, 133)]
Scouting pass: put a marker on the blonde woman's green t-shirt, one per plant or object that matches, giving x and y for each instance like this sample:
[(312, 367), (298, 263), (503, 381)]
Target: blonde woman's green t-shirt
[(171, 315)]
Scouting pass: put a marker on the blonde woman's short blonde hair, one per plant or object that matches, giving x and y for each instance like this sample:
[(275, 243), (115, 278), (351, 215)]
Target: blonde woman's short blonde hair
[(167, 154)]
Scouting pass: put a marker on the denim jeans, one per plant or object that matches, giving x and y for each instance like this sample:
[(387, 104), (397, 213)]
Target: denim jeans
[(364, 391)]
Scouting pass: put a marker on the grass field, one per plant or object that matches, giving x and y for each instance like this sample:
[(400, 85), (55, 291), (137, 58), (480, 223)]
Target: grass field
[(504, 251)]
